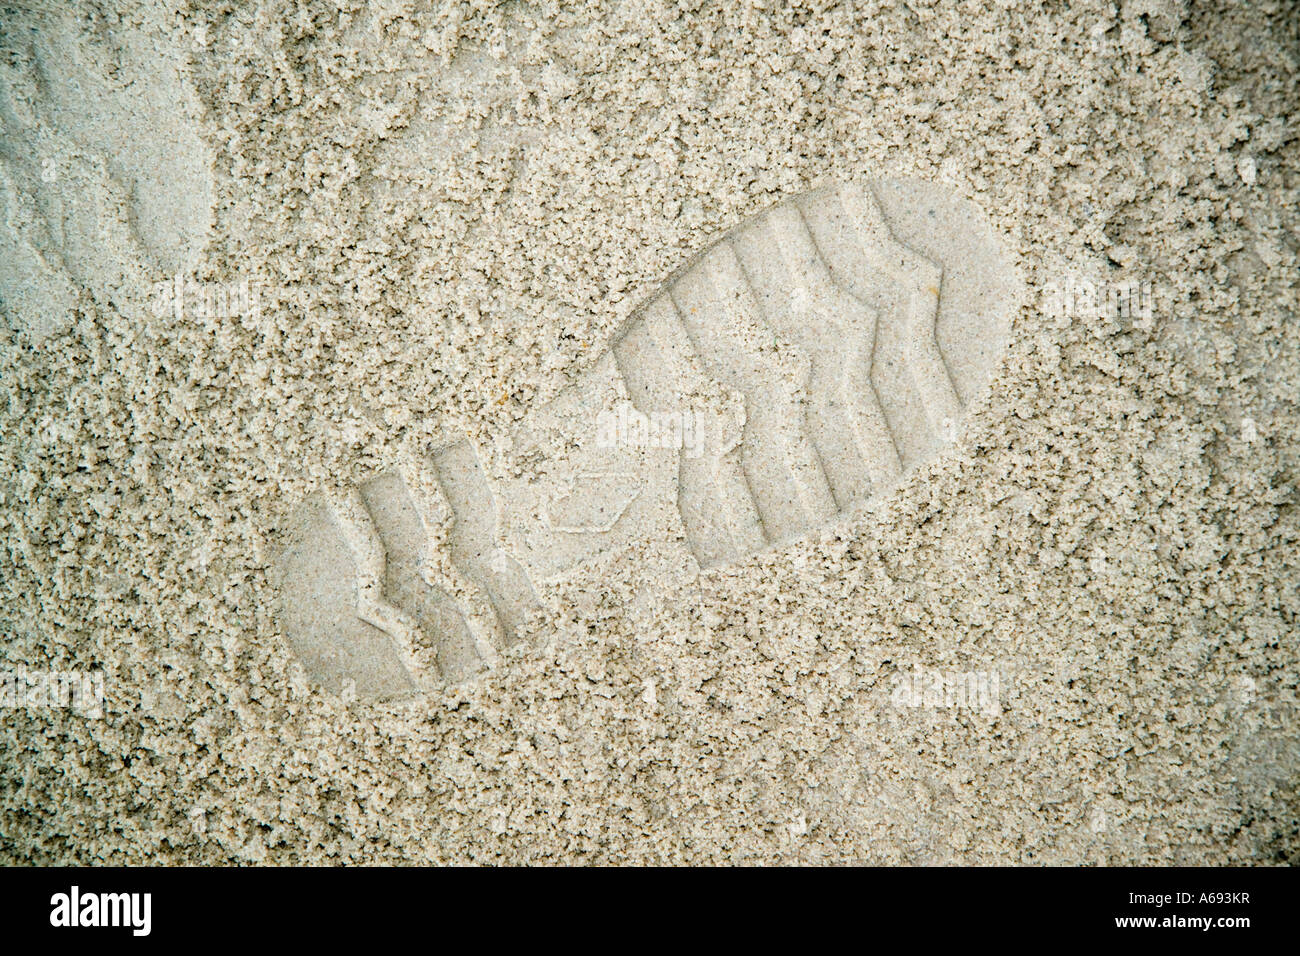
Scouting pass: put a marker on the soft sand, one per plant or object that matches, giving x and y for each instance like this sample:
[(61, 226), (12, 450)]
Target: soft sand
[(447, 214)]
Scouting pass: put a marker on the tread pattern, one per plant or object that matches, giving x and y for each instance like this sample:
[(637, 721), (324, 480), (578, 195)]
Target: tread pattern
[(809, 342), (654, 371), (434, 596)]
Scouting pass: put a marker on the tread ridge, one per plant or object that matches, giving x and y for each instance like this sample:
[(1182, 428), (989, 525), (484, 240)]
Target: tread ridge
[(783, 469), (357, 527), (458, 559), (720, 469), (473, 547), (922, 280), (437, 566), (803, 460), (845, 413)]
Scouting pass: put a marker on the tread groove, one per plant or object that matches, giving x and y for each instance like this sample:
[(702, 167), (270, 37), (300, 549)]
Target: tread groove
[(803, 301), (473, 544), (922, 281), (720, 316), (718, 473), (357, 526)]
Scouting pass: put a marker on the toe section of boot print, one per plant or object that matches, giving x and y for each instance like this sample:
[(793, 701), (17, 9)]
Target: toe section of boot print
[(793, 371), (796, 369)]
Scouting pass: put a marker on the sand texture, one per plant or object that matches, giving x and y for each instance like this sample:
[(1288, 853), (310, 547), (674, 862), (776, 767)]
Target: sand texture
[(651, 432)]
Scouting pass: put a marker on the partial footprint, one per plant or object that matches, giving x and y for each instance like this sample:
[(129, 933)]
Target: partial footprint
[(795, 370), (399, 586), (104, 182)]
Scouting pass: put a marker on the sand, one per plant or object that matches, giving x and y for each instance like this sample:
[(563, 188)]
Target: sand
[(1065, 634)]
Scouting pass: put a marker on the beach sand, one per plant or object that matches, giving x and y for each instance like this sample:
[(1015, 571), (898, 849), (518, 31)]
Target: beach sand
[(1066, 636)]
